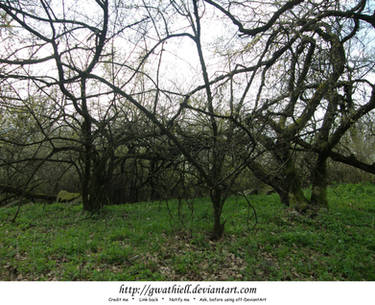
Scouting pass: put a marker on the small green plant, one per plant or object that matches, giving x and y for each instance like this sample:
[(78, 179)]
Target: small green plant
[(115, 254)]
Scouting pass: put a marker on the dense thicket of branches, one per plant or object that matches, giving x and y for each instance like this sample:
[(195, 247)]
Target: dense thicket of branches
[(147, 100)]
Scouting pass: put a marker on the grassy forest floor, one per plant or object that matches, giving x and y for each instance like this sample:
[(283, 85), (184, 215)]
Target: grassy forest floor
[(156, 241)]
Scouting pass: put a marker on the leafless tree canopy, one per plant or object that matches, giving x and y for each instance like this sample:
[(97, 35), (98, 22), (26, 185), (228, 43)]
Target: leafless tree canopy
[(158, 99)]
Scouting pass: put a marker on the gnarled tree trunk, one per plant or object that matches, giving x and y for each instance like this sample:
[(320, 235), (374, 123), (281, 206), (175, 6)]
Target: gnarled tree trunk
[(319, 183)]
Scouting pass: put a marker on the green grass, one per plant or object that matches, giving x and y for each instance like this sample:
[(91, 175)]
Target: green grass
[(149, 241)]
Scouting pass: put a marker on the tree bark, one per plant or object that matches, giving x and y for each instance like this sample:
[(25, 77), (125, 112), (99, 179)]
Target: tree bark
[(217, 204), (87, 165), (283, 195), (296, 197), (319, 183)]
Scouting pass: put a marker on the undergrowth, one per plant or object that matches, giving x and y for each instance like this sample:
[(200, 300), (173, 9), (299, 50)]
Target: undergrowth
[(170, 241)]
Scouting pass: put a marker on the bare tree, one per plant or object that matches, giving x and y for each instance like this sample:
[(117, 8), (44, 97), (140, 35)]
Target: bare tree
[(57, 49), (282, 79), (302, 66)]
